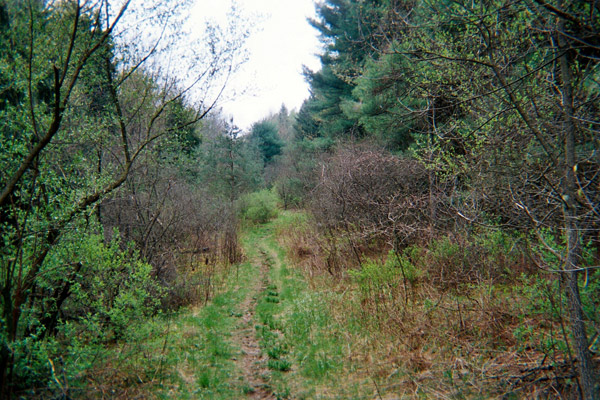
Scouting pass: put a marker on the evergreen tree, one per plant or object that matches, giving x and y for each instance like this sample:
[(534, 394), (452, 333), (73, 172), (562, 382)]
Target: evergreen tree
[(230, 164), (349, 32), (266, 138)]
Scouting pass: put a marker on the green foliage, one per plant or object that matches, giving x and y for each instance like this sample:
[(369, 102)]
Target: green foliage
[(259, 207), (376, 105), (452, 262), (546, 300), (110, 292), (265, 136), (178, 116), (115, 286), (379, 280), (545, 303), (348, 31), (230, 165), (306, 125), (327, 114)]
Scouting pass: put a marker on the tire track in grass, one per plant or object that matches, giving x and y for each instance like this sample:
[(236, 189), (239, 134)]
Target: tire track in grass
[(306, 346), (291, 348), (252, 363)]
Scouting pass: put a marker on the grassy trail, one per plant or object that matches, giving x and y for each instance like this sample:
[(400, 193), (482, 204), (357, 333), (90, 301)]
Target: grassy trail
[(251, 362), (273, 333), (261, 363), (228, 349), (265, 335), (304, 352)]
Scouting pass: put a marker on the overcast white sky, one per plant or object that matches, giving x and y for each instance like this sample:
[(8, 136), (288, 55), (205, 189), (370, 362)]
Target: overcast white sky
[(282, 42)]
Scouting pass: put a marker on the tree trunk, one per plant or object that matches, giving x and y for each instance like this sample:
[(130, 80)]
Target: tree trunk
[(586, 371)]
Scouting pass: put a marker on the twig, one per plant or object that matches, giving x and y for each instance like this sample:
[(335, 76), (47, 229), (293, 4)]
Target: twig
[(60, 385), (164, 347), (375, 383)]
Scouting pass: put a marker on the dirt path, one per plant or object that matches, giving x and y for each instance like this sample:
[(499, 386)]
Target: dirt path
[(252, 362)]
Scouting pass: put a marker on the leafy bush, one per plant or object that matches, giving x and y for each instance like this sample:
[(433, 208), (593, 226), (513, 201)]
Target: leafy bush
[(100, 298), (115, 286), (544, 302), (259, 207)]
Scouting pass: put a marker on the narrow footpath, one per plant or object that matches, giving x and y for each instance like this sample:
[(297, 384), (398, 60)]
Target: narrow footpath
[(252, 362)]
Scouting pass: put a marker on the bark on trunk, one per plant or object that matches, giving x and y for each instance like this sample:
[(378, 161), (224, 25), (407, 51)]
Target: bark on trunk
[(586, 372)]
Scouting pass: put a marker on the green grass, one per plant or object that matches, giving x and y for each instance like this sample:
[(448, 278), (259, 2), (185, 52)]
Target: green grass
[(295, 328), (190, 354), (199, 361), (279, 365)]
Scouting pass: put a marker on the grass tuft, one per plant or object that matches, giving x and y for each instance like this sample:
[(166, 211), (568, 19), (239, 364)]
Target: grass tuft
[(279, 365)]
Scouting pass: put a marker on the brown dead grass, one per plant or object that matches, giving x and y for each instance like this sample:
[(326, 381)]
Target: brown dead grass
[(435, 341)]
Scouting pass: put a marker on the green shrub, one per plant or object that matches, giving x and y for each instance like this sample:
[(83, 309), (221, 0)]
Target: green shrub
[(454, 262), (259, 207), (544, 301), (108, 292)]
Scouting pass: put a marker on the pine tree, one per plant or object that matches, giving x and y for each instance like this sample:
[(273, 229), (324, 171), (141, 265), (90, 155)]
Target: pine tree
[(349, 32)]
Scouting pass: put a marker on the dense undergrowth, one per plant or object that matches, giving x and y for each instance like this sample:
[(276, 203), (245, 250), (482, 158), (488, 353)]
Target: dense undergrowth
[(130, 342), (455, 317)]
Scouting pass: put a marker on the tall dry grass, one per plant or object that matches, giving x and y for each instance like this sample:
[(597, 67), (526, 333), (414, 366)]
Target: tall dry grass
[(455, 321)]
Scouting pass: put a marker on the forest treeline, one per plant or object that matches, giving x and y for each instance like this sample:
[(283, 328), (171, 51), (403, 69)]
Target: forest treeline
[(447, 157)]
